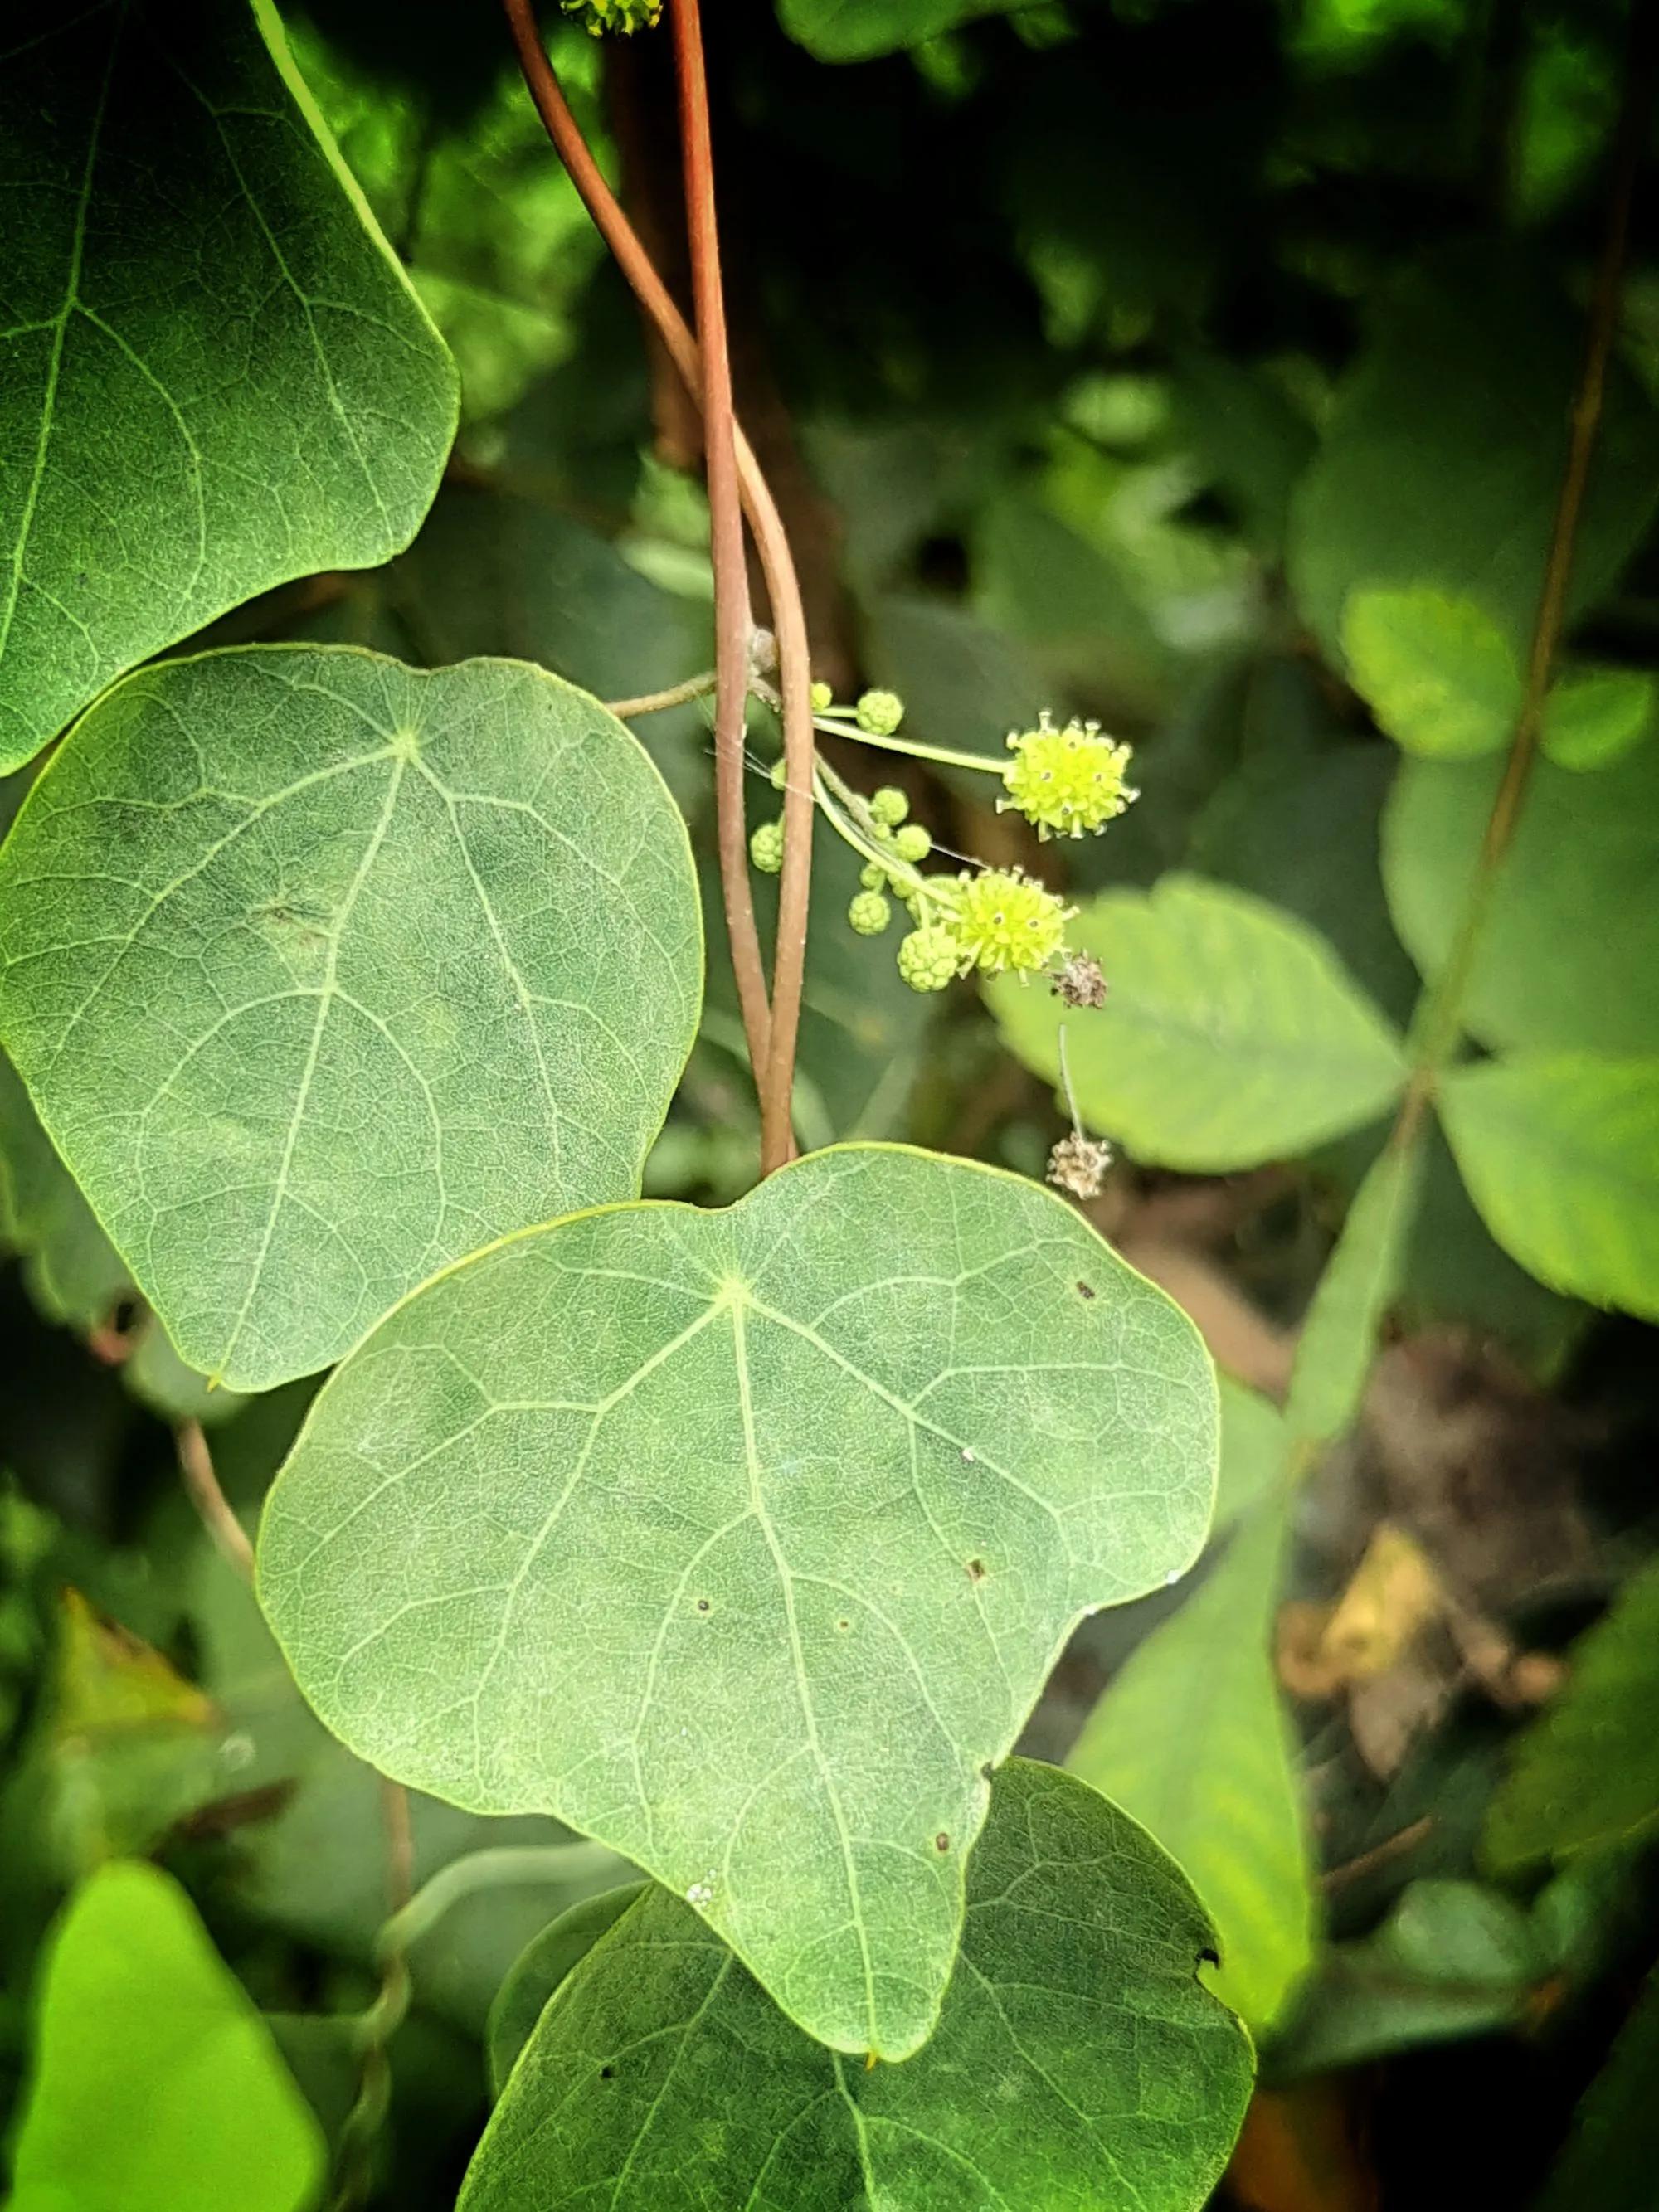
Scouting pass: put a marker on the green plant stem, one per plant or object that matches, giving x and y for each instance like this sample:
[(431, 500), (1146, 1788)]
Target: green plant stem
[(497, 1869), (1437, 1026), (771, 540), (657, 703), (354, 2174), (945, 756)]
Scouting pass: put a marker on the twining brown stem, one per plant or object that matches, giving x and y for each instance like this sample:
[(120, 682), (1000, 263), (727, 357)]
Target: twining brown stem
[(774, 1068), (726, 547), (1439, 1021), (202, 1483)]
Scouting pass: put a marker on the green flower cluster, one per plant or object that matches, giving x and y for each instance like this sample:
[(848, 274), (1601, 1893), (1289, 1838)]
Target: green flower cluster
[(599, 16)]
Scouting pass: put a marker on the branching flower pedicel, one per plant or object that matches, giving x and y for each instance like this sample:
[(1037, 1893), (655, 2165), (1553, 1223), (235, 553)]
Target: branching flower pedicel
[(993, 920)]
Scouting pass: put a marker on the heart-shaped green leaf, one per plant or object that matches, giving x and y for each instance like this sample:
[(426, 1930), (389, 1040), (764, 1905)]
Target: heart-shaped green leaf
[(1079, 2065), (322, 971), (1231, 1034), (744, 1541), (216, 375)]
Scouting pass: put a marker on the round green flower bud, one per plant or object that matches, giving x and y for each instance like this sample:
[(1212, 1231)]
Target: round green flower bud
[(870, 913), (912, 843), (888, 806), (929, 957), (823, 697), (766, 846), (873, 877), (879, 712)]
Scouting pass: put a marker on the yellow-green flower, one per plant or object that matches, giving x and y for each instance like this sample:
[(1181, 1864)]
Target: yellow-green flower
[(1005, 919), (1066, 781)]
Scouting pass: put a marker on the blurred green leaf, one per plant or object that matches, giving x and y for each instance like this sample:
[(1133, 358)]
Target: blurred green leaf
[(1359, 1282), (1230, 1035), (1568, 952), (1561, 1155), (1441, 463), (859, 30), (1585, 1774), (662, 2078), (1437, 672), (270, 401), (1591, 718), (1453, 1958), (1191, 1740), (1610, 2157), (1254, 1440), (157, 2086)]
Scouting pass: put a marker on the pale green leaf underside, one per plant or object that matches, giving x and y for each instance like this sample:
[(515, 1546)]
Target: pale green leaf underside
[(156, 2086), (744, 1541), (1191, 1739), (322, 972), (1561, 1155), (1231, 1034), (1078, 2064), (1586, 1773), (213, 374)]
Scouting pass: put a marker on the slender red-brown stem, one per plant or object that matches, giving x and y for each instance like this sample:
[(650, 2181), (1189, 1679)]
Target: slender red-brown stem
[(775, 1070), (725, 546)]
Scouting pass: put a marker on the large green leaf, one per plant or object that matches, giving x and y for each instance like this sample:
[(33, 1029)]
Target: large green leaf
[(215, 375), (1587, 1771), (1190, 1738), (1443, 458), (858, 30), (157, 2086), (1569, 951), (1078, 2064), (1231, 1035), (744, 1541), (1338, 1343), (322, 971), (1561, 1155)]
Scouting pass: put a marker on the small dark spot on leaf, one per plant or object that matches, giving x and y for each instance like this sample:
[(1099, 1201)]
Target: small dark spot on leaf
[(844, 1624), (986, 1772), (1083, 1290), (941, 1842), (1209, 1958), (607, 2073), (124, 1316), (976, 1571), (703, 1605)]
